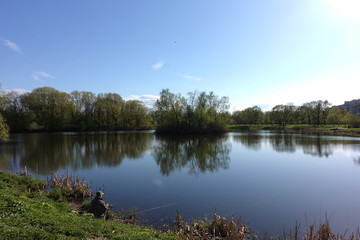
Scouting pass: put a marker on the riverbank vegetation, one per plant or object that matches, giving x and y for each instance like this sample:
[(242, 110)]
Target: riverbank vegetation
[(47, 109), (27, 211)]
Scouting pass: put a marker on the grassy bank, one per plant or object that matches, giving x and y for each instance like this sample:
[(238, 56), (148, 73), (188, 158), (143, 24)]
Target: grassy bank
[(338, 130), (28, 212)]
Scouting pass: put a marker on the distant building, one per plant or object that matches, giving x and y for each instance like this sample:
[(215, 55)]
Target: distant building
[(352, 106)]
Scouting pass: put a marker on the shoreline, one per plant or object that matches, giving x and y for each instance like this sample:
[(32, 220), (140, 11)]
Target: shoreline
[(328, 130), (30, 211)]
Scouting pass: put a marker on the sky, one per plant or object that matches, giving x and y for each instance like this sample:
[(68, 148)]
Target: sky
[(256, 52)]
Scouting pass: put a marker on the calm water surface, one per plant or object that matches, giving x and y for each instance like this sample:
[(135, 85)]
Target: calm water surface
[(270, 179)]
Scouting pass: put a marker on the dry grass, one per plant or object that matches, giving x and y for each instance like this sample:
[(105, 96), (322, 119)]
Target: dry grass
[(72, 188), (215, 229), (220, 228), (324, 232)]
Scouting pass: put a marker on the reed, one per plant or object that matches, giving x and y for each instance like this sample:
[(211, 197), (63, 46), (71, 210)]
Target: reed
[(222, 228), (215, 229), (70, 187)]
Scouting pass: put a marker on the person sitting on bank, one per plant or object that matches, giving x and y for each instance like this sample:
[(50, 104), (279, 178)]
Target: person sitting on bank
[(98, 207)]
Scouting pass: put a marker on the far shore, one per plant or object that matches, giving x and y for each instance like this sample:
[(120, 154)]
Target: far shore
[(332, 130), (337, 130)]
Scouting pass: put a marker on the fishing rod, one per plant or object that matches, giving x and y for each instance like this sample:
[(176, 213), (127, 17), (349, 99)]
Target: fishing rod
[(155, 208)]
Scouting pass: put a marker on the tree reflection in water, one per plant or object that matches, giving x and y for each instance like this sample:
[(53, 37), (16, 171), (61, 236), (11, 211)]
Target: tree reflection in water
[(197, 153), (44, 153), (318, 146), (356, 160), (249, 140)]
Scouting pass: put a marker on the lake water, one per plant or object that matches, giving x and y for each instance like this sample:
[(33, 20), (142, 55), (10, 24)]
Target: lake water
[(271, 180)]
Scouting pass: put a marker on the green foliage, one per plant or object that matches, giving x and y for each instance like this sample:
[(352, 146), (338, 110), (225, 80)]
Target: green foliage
[(108, 110), (47, 109), (200, 112), (51, 108), (15, 112), (352, 120), (58, 194), (251, 115), (336, 116), (135, 115), (313, 113), (4, 129), (283, 114), (84, 107)]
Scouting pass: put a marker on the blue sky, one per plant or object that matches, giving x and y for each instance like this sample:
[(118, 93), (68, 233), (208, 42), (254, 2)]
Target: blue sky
[(256, 52)]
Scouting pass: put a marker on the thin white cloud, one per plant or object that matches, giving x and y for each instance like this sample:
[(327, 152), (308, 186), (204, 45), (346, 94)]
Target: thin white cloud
[(40, 75), (44, 74), (36, 77), (12, 46), (191, 77), (158, 65), (147, 99)]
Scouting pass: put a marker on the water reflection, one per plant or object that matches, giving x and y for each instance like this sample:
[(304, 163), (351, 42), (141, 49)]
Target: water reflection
[(318, 146), (46, 153), (249, 140), (283, 143), (196, 153), (356, 160)]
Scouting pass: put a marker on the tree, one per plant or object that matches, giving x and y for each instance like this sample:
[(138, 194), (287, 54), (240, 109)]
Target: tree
[(50, 107), (170, 108), (352, 120), (283, 114), (4, 129), (15, 112), (315, 112), (200, 112), (108, 110), (135, 115), (84, 109), (336, 116), (251, 115)]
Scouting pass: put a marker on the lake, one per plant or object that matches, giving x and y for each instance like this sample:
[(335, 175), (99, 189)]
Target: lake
[(272, 180)]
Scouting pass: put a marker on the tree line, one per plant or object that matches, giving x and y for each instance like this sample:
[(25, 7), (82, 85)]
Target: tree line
[(311, 113), (47, 109)]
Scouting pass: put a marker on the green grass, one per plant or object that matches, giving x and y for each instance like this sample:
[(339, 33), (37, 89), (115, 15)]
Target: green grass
[(27, 212), (250, 127)]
